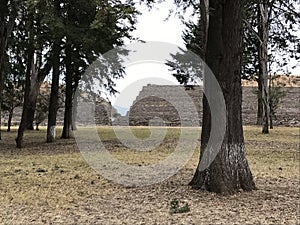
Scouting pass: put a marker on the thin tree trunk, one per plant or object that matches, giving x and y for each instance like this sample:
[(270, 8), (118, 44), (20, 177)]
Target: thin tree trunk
[(67, 129), (229, 172), (53, 106), (263, 61)]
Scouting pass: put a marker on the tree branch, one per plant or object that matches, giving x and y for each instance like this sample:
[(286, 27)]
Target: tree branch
[(253, 31)]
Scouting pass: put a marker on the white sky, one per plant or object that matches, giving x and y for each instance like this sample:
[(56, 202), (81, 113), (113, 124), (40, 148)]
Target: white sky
[(152, 26)]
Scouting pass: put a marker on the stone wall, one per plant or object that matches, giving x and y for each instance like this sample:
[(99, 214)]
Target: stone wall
[(149, 108), (150, 105), (172, 104)]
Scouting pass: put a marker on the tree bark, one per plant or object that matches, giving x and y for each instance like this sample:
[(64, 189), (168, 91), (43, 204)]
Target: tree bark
[(53, 106), (229, 172), (67, 129), (204, 8), (23, 124), (38, 75), (263, 64)]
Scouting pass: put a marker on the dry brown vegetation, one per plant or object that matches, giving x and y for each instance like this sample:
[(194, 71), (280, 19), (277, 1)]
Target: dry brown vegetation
[(282, 80), (52, 184)]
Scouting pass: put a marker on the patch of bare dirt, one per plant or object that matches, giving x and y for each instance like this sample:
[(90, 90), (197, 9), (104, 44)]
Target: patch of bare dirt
[(275, 202)]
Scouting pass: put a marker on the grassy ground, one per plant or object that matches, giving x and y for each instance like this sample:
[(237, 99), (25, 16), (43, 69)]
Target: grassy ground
[(52, 184)]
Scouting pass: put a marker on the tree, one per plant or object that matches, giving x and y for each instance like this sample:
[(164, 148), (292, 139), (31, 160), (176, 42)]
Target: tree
[(8, 14), (66, 36), (31, 26), (269, 38), (105, 26), (263, 33), (282, 41), (56, 27), (276, 93), (229, 172), (13, 90)]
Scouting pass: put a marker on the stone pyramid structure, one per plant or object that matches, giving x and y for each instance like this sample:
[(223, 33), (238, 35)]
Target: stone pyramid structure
[(155, 106), (169, 105)]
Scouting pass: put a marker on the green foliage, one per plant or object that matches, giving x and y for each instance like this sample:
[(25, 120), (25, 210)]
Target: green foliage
[(41, 108), (186, 67), (175, 207), (14, 82), (276, 94), (284, 19)]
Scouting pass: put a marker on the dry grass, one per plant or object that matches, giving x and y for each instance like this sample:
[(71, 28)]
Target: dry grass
[(52, 184)]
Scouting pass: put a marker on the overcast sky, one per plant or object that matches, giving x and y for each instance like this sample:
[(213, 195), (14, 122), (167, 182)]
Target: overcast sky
[(153, 26)]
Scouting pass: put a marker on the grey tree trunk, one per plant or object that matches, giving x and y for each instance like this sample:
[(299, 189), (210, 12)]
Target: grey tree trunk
[(31, 93), (38, 75), (67, 129), (23, 124), (53, 106), (229, 172), (263, 30)]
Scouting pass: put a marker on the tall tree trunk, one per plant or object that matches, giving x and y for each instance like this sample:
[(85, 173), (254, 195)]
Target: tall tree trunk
[(36, 80), (204, 8), (67, 129), (53, 106), (23, 124), (229, 172), (263, 30)]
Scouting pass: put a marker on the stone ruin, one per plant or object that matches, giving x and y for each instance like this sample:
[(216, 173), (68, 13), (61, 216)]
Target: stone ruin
[(167, 105), (150, 108)]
